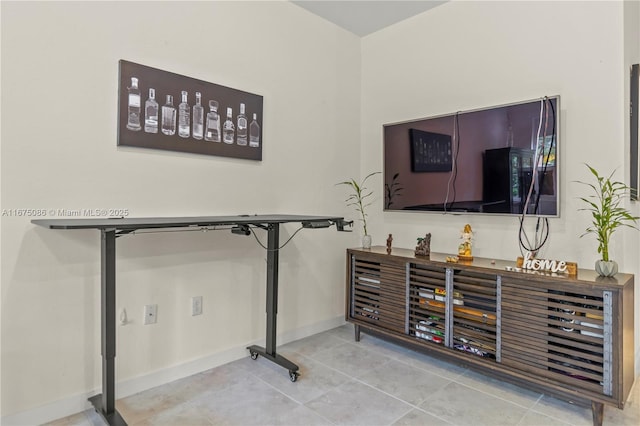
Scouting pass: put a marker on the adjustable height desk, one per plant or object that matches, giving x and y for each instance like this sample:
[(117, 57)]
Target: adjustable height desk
[(110, 229)]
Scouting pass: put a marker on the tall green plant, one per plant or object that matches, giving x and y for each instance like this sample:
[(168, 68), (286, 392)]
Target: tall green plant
[(359, 197), (606, 212)]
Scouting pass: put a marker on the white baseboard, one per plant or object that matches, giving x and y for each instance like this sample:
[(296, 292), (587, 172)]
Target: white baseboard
[(77, 403)]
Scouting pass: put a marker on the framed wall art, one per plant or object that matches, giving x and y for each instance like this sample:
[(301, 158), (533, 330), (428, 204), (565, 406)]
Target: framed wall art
[(430, 152), (163, 110)]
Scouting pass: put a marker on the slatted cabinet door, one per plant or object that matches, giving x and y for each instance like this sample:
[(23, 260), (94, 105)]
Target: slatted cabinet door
[(379, 293), (559, 334), (475, 317), (427, 296)]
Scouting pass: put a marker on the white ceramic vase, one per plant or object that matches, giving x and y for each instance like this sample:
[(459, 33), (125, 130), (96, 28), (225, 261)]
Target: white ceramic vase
[(606, 269), (366, 241)]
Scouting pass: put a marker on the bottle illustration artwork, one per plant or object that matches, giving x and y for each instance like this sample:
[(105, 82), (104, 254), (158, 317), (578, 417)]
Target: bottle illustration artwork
[(133, 122), (151, 113), (228, 130), (254, 132), (241, 129), (198, 117), (169, 117), (184, 117), (212, 133)]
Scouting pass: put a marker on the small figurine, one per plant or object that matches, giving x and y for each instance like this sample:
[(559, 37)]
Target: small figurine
[(464, 249), (424, 246), (389, 240)]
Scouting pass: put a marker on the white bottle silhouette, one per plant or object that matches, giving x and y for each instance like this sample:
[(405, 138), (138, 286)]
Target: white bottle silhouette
[(254, 132)]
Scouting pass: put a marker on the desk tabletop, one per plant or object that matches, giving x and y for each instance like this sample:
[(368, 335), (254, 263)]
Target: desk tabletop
[(135, 223)]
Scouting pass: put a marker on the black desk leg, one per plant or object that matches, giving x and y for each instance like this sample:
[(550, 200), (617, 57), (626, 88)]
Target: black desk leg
[(269, 353), (105, 404)]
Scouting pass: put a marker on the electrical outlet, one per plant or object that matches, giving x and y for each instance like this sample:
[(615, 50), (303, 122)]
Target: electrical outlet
[(150, 314), (196, 305)]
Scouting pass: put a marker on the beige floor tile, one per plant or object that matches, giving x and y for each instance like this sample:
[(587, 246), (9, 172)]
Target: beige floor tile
[(315, 379), (344, 332), (434, 365), (354, 403), (512, 393), (225, 375), (342, 382), (301, 416), (533, 418), (630, 415), (420, 418), (382, 347), (571, 413), (463, 405), (404, 381), (313, 344), (80, 419), (154, 402), (180, 415), (350, 359), (249, 401)]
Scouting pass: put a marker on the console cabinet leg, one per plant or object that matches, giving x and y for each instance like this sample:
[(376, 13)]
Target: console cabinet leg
[(356, 329), (597, 410)]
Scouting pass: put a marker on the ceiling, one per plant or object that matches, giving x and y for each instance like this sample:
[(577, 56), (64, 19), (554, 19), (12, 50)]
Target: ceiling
[(363, 17)]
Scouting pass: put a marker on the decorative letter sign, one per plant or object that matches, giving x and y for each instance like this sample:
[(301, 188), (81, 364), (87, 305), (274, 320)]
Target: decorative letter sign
[(530, 263)]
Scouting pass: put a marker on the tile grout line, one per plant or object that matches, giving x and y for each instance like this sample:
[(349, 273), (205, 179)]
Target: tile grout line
[(388, 353), (457, 377), (351, 378), (450, 379), (355, 379), (291, 397)]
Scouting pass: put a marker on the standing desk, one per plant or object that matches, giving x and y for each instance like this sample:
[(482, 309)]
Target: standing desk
[(112, 228)]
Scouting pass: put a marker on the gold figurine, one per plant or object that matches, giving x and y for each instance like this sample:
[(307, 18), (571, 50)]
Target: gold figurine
[(464, 249)]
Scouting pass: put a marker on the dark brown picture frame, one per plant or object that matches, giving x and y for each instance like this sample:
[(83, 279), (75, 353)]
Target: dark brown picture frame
[(430, 152), (132, 114), (634, 130)]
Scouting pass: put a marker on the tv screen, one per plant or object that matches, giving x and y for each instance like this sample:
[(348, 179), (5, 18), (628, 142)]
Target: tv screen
[(496, 160)]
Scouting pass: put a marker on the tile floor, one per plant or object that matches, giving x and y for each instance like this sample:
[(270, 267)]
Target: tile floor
[(347, 383)]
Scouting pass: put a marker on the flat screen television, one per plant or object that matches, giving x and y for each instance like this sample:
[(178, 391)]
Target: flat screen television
[(496, 160)]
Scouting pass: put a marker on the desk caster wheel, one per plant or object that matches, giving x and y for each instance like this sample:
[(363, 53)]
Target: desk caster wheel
[(254, 355), (293, 375)]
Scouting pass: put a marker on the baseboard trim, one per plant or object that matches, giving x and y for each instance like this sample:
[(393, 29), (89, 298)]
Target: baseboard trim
[(78, 403)]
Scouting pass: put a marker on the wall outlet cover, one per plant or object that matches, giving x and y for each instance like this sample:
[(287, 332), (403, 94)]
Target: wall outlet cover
[(150, 314)]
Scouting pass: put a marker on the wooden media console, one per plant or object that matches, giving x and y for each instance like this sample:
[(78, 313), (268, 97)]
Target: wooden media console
[(566, 336)]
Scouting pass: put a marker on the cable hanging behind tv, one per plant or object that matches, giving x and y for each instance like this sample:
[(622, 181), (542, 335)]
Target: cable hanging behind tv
[(495, 160)]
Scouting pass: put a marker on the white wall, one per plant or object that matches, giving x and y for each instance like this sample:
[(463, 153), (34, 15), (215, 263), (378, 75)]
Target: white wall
[(59, 103), (466, 55), (327, 95)]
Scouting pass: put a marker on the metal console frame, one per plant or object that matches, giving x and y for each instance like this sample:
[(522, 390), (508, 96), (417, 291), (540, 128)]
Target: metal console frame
[(110, 229)]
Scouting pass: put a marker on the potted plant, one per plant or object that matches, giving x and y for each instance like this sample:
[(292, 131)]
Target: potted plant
[(358, 199), (607, 216)]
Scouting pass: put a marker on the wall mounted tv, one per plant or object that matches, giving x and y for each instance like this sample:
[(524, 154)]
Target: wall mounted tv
[(493, 160)]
